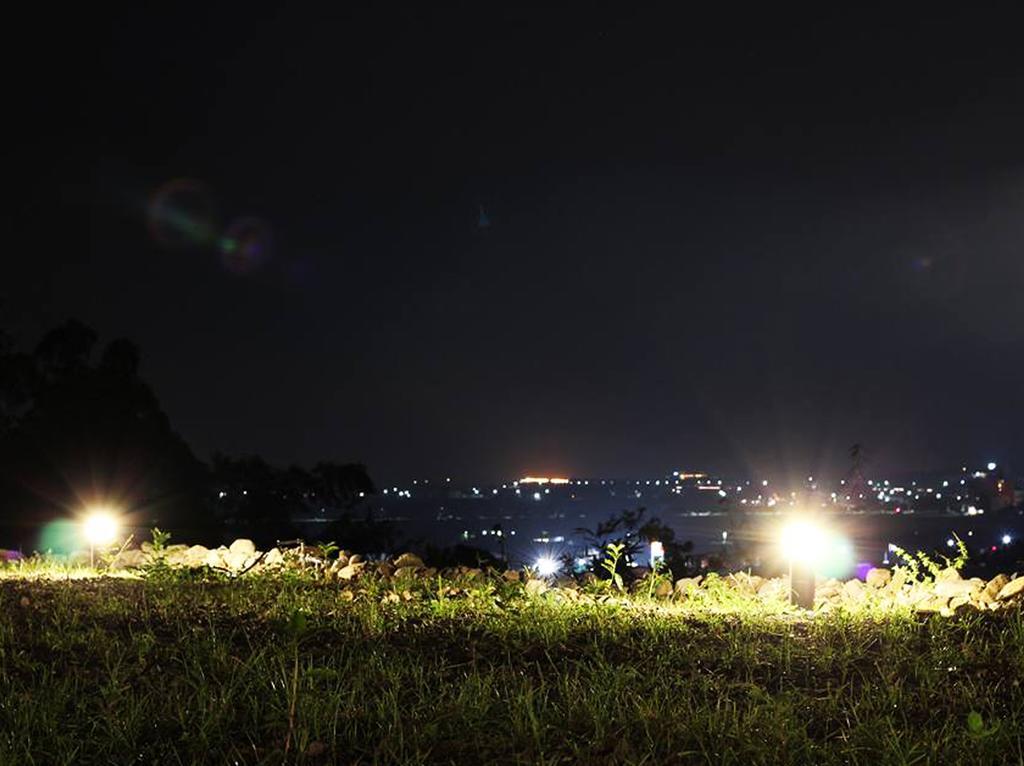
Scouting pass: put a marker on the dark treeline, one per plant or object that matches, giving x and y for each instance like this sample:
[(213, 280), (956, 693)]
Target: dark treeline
[(80, 428)]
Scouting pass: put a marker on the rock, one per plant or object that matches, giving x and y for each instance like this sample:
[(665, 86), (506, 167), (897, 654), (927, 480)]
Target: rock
[(386, 569), (1011, 589), (429, 573), (355, 558), (236, 560), (350, 571), (829, 590), (132, 558), (745, 583), (274, 558), (854, 591), (960, 604), (175, 555), (512, 575), (663, 589), (409, 560), (957, 588), (878, 577), (933, 605), (535, 587), (473, 574), (195, 556), (215, 558), (405, 572), (243, 547), (685, 586), (948, 574), (996, 584)]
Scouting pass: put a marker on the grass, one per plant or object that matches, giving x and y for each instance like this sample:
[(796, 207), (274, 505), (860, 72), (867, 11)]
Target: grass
[(178, 670)]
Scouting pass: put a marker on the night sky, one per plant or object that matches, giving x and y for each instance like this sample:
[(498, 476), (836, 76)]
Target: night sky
[(479, 242)]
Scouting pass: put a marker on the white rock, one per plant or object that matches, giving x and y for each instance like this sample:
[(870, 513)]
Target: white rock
[(954, 588), (243, 546), (215, 558), (1011, 589), (195, 556), (129, 559), (996, 584), (237, 560), (878, 577), (408, 560), (349, 571)]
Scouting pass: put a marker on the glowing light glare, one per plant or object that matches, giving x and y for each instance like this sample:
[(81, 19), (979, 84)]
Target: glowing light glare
[(546, 566), (657, 553), (543, 480), (991, 466), (100, 528), (1007, 539), (802, 541)]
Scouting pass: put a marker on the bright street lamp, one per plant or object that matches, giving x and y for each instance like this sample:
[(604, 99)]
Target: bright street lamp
[(100, 528), (546, 566), (802, 543)]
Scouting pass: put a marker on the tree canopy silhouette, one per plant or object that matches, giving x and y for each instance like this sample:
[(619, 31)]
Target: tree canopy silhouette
[(75, 432)]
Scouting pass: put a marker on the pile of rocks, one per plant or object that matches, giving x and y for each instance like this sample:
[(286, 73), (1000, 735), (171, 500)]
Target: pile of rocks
[(948, 593), (238, 557)]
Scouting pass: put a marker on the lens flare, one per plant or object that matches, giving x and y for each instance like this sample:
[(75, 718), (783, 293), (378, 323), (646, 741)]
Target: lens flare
[(181, 215), (245, 246)]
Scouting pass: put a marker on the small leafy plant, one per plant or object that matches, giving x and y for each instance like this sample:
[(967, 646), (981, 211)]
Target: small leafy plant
[(921, 566), (610, 564)]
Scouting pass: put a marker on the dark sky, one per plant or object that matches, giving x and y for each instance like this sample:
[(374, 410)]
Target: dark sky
[(480, 242)]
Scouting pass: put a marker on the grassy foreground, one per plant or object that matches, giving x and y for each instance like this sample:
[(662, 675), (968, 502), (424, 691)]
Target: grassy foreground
[(275, 669)]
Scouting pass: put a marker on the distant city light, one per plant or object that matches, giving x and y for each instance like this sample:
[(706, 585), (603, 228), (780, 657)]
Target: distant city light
[(1007, 539), (537, 495), (543, 480), (991, 466), (950, 542)]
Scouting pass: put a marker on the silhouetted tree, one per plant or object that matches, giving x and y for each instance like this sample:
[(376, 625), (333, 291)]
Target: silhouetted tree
[(75, 434)]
